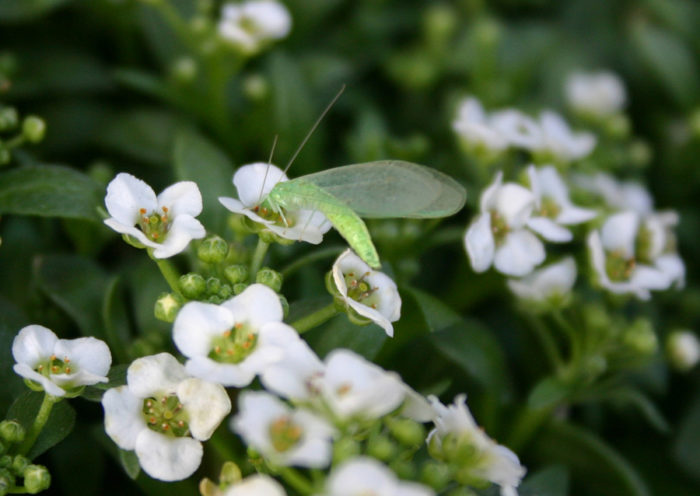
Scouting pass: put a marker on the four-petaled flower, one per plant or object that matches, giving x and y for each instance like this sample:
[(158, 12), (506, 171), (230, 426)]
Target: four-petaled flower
[(163, 414), (60, 366), (251, 25), (253, 182), (595, 94), (166, 222), (363, 476), (548, 285)]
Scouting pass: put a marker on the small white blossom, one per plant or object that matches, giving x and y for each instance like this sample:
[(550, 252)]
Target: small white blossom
[(553, 209), (293, 378), (256, 485), (499, 235), (283, 435), (488, 460), (166, 222), (368, 292), (552, 283), (560, 142), (232, 342), (618, 195), (598, 94), (474, 128), (517, 128), (363, 476), (251, 25), (633, 255), (162, 414), (683, 349), (253, 182), (59, 365)]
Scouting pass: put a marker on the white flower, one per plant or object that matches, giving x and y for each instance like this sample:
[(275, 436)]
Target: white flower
[(253, 183), (683, 349), (252, 24), (59, 365), (474, 128), (232, 342), (364, 476), (517, 128), (162, 414), (619, 195), (499, 235), (599, 94), (553, 209), (283, 435), (256, 485), (368, 292), (488, 460), (633, 255), (293, 378), (167, 222), (550, 283), (560, 142)]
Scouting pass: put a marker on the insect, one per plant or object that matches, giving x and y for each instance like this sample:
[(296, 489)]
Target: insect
[(381, 189)]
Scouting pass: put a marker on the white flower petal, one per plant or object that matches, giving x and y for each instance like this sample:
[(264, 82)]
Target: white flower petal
[(619, 233), (196, 324), (33, 344), (183, 198), (256, 485), (87, 354), (226, 374), (480, 243), (24, 370), (487, 201), (123, 418), (554, 279), (255, 181), (549, 230), (647, 277), (672, 265), (126, 195), (519, 254), (291, 376), (571, 215), (256, 305), (155, 375), (206, 404), (515, 204), (183, 229), (165, 458), (518, 129)]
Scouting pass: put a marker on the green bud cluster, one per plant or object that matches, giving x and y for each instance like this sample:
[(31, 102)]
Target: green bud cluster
[(36, 477), (194, 287), (213, 250), (11, 431), (269, 278)]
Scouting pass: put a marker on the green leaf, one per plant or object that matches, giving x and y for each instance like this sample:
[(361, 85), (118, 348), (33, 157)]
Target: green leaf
[(130, 463), (58, 426), (685, 447), (76, 285), (114, 318), (22, 10), (199, 160), (549, 392), (11, 320), (591, 460), (550, 481), (49, 191)]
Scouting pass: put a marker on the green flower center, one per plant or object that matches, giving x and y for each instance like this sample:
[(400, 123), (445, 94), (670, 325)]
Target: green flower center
[(284, 433), (278, 217), (360, 290), (499, 227), (234, 345), (549, 208), (618, 267), (155, 226), (166, 416), (55, 365)]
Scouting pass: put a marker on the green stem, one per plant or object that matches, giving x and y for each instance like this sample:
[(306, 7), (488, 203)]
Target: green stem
[(545, 337), (570, 333), (258, 257), (42, 417), (315, 319), (311, 257), (170, 274), (292, 477), (14, 142)]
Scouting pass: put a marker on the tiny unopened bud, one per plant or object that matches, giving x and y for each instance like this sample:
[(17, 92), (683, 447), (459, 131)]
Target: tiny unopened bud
[(100, 172), (184, 70), (381, 447), (19, 464), (403, 468), (208, 488), (213, 285), (167, 306), (36, 479), (256, 87), (683, 350), (269, 278), (640, 337), (345, 449), (236, 273), (230, 474), (408, 432), (12, 431), (435, 475), (8, 118), (239, 288), (212, 250), (215, 299), (225, 292), (192, 285), (33, 128)]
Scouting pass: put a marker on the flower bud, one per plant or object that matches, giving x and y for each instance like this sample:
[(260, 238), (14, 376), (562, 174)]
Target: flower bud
[(236, 273), (184, 70), (440, 22), (256, 87), (435, 475), (345, 449), (208, 488), (36, 479), (239, 288), (225, 292), (5, 461), (33, 128), (230, 474), (408, 432), (213, 285), (12, 431), (212, 250), (640, 337), (192, 285), (8, 118), (215, 299), (167, 306), (19, 464), (269, 278), (403, 468), (381, 447), (683, 349)]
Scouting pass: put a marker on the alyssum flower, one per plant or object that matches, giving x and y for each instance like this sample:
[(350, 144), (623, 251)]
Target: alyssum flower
[(549, 285), (251, 25), (163, 414), (253, 182), (166, 222), (596, 94), (60, 366), (363, 476)]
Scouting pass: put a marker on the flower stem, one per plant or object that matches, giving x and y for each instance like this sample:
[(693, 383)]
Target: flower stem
[(315, 319), (170, 275), (42, 417), (545, 337), (292, 477), (258, 257), (570, 333)]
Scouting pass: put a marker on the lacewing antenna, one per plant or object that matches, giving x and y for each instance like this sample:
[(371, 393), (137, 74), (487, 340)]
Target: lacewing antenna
[(269, 163)]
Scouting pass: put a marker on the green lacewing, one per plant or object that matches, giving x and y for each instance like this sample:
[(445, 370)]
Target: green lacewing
[(381, 189)]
